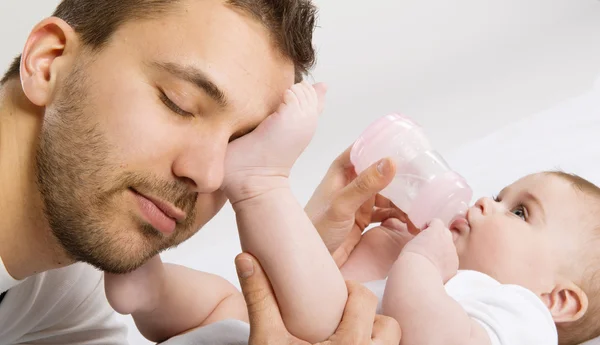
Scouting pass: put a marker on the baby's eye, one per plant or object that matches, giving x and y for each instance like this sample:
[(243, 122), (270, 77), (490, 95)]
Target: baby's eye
[(520, 212)]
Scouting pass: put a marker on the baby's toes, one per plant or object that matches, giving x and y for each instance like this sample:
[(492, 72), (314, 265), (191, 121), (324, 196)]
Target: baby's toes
[(290, 101), (313, 97), (289, 106), (302, 90)]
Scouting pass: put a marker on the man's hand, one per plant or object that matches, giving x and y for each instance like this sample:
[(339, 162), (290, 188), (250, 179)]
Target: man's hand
[(345, 204), (359, 325)]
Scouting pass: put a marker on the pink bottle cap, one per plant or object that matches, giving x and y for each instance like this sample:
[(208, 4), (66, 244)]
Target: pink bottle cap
[(380, 129)]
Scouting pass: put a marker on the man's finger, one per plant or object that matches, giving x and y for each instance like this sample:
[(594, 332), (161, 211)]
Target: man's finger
[(386, 331), (381, 214), (383, 202), (365, 186), (335, 179), (359, 315), (343, 162), (263, 311)]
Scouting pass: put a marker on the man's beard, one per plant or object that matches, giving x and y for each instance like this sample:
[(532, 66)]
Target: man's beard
[(81, 188)]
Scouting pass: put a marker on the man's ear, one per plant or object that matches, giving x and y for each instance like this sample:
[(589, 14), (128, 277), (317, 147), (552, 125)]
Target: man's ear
[(41, 60), (567, 302)]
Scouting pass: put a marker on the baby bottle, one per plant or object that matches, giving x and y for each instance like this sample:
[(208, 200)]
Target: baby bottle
[(424, 187)]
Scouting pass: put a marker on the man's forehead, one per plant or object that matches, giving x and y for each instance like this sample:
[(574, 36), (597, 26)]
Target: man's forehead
[(235, 52), (239, 54)]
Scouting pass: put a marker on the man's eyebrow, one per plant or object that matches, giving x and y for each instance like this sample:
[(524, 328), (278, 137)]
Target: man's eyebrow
[(196, 77)]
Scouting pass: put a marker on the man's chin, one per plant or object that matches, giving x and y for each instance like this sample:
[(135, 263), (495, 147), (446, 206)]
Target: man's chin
[(120, 267), (117, 260), (120, 248)]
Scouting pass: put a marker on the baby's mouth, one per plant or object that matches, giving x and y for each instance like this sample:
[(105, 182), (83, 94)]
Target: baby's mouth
[(459, 227)]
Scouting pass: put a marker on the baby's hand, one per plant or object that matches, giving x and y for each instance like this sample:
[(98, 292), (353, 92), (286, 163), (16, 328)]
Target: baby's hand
[(273, 148), (435, 243)]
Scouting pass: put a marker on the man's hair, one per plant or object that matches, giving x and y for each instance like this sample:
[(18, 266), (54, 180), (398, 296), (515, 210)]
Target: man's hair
[(588, 327), (291, 24)]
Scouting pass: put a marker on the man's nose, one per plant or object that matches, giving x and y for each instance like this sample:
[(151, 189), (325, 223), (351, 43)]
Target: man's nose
[(201, 164)]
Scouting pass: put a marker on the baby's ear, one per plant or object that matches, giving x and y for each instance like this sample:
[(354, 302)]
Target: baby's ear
[(567, 302)]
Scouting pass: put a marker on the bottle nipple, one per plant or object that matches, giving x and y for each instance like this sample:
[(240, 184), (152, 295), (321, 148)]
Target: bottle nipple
[(454, 210)]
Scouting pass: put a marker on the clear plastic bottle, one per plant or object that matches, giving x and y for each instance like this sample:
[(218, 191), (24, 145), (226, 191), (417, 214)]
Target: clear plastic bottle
[(424, 187)]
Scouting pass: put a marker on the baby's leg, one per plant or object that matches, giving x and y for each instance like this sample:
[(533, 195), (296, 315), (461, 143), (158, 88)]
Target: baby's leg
[(273, 226), (165, 300)]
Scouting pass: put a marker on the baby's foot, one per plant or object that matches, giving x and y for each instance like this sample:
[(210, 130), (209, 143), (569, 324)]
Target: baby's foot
[(138, 291), (273, 148), (436, 244)]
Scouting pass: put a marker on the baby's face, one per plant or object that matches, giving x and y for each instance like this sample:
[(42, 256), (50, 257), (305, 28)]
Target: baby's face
[(526, 234)]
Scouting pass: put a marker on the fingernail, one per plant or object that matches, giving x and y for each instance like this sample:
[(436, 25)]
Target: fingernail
[(382, 166), (244, 267)]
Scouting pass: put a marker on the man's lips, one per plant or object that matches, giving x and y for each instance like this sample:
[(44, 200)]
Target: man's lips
[(167, 208), (161, 215)]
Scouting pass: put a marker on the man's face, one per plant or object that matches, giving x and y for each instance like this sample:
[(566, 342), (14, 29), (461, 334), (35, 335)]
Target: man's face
[(133, 143)]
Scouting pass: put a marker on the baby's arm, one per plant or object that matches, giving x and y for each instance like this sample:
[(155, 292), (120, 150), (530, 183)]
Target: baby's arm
[(166, 300), (415, 295), (310, 289), (376, 253)]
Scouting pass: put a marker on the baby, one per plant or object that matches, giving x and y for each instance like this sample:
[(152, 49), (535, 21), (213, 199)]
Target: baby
[(528, 263), (166, 300)]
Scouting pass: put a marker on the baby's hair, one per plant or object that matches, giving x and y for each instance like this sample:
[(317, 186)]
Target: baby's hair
[(578, 182), (588, 327)]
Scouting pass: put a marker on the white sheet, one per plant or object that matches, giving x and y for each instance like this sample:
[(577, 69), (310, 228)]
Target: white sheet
[(566, 137)]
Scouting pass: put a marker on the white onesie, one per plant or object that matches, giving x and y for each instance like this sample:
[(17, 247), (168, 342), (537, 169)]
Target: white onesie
[(510, 314)]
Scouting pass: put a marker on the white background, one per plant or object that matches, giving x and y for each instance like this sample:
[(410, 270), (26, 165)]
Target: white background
[(463, 69)]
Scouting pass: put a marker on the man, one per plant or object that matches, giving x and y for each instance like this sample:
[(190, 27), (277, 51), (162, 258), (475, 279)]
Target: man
[(114, 124)]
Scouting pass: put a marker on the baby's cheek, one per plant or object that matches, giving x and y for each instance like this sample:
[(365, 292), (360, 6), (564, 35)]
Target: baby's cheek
[(515, 263), (484, 254)]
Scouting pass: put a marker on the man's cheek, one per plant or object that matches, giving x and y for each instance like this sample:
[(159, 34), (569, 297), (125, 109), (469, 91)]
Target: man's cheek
[(207, 206)]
